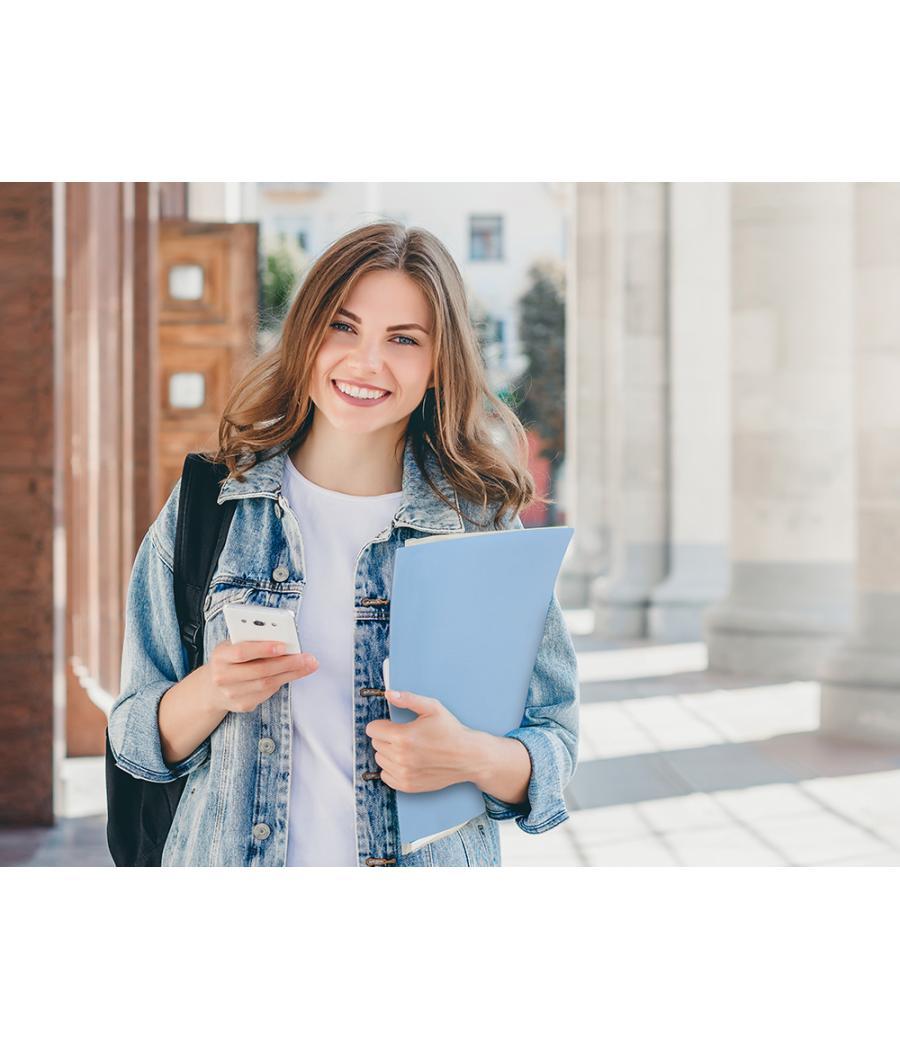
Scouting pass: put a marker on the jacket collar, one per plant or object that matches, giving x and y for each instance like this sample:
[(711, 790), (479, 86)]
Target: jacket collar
[(420, 508)]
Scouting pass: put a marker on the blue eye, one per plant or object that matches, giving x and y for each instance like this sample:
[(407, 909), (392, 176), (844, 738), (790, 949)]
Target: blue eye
[(340, 325)]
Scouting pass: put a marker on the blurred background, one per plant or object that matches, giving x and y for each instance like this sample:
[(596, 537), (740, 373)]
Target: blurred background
[(708, 374)]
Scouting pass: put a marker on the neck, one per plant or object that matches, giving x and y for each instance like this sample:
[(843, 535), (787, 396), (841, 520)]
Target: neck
[(355, 464)]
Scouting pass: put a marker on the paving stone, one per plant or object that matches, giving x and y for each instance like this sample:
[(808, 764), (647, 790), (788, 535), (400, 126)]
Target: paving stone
[(634, 778), (722, 846), (817, 838), (606, 731), (553, 847), (684, 813), (759, 712), (750, 803), (868, 798), (647, 852), (607, 824), (889, 858), (724, 766), (809, 755), (670, 725)]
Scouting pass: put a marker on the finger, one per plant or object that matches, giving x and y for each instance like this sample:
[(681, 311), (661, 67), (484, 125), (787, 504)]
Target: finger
[(240, 652), (387, 751), (387, 778), (383, 730), (296, 665), (381, 759), (258, 690), (422, 705)]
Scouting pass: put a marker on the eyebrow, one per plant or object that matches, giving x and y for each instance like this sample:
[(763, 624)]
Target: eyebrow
[(390, 328)]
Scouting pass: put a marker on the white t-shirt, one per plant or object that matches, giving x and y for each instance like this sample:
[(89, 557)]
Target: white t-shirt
[(335, 527)]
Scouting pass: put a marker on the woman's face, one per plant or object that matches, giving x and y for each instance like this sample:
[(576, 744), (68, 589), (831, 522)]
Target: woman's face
[(380, 343)]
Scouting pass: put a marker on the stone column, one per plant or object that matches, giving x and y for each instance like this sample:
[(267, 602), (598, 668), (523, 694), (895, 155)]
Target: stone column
[(861, 680), (792, 532), (32, 708), (700, 410), (636, 407), (593, 326)]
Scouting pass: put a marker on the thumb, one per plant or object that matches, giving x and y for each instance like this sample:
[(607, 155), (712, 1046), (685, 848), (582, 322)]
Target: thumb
[(422, 705)]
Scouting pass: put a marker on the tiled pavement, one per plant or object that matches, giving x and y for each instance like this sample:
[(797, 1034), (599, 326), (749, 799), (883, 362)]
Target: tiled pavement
[(677, 766), (682, 766)]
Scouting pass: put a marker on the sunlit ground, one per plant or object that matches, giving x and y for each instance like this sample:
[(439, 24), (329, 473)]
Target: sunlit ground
[(682, 766), (677, 766)]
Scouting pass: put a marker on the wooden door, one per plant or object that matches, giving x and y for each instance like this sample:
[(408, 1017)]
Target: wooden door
[(207, 333)]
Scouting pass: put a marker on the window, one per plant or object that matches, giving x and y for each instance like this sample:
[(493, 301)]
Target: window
[(186, 282), (485, 237), (187, 390)]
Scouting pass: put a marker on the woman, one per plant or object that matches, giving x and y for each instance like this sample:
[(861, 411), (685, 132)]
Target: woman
[(370, 423)]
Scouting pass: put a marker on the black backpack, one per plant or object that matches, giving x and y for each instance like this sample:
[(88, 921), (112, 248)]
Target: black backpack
[(139, 812)]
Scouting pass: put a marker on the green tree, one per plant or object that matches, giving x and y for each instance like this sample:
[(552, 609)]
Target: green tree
[(281, 270), (540, 394)]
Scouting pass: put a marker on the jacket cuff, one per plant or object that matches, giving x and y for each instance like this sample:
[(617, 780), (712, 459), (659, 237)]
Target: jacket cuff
[(546, 805), (141, 729)]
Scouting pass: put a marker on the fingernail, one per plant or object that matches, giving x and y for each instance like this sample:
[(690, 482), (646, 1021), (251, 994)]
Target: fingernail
[(279, 648)]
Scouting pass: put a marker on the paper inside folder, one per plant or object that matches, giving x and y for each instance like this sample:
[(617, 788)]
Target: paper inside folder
[(410, 847)]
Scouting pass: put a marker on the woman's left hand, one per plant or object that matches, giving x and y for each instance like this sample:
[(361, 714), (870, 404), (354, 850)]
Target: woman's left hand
[(433, 750)]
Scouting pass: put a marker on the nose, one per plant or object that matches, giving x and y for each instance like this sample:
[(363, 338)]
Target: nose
[(368, 356)]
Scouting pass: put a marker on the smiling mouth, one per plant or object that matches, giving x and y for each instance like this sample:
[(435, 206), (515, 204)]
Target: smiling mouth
[(363, 401)]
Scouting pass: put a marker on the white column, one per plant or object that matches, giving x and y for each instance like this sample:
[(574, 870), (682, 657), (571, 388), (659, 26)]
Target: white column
[(792, 535), (861, 681), (593, 328), (249, 201), (636, 372), (372, 202), (700, 409), (207, 201), (222, 202)]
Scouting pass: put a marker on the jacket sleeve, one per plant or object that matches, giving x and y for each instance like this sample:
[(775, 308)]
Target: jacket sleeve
[(153, 658), (549, 729)]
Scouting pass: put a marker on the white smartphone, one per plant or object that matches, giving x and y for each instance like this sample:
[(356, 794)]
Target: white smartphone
[(256, 623)]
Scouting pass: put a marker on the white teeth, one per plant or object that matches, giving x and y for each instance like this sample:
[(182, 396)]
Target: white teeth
[(355, 391)]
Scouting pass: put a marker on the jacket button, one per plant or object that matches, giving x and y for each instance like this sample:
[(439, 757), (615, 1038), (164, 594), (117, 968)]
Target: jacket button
[(261, 831), (266, 745), (280, 574)]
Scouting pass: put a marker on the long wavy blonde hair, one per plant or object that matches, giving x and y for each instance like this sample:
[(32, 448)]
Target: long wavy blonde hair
[(480, 445)]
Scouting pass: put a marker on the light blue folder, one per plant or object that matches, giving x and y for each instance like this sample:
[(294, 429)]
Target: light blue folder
[(467, 619)]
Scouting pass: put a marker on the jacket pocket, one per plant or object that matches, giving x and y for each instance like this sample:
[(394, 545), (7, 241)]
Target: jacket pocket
[(221, 594), (481, 842), (475, 845)]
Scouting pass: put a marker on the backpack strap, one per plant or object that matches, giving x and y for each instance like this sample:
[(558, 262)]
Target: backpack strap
[(200, 535)]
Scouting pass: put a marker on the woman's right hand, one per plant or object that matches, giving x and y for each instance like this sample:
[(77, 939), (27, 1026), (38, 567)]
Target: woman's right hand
[(241, 675)]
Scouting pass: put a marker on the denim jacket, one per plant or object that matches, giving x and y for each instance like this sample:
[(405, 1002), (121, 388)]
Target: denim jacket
[(234, 807)]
